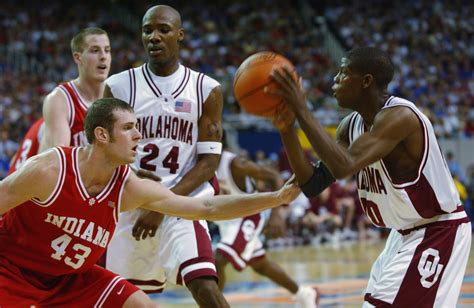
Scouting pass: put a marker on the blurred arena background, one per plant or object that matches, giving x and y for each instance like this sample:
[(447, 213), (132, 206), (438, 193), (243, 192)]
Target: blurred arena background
[(431, 43)]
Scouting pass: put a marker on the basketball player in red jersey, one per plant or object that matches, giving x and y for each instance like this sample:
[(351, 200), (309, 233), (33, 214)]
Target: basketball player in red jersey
[(29, 146), (57, 227), (65, 107), (179, 115), (402, 178)]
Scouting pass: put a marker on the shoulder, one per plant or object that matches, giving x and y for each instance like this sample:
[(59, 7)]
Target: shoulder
[(399, 113), (56, 95), (42, 166), (119, 77), (343, 129), (204, 81)]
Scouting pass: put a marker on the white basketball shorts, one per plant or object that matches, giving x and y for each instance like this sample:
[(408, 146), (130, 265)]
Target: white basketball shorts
[(424, 268), (240, 243)]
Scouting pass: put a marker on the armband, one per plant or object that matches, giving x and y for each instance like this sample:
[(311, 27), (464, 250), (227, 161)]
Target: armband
[(320, 180), (209, 147)]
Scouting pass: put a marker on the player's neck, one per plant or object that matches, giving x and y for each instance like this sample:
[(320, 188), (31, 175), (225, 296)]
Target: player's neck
[(94, 167), (370, 106), (90, 90), (163, 70)]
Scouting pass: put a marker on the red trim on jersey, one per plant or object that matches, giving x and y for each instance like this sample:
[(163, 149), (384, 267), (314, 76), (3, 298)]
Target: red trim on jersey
[(59, 183), (424, 199), (376, 302), (205, 255), (106, 191), (81, 101), (133, 86), (442, 223), (184, 82), (424, 159), (156, 291), (411, 292), (215, 185), (126, 174), (256, 258), (159, 286), (351, 127), (389, 101), (149, 81), (80, 185), (230, 257), (204, 259), (70, 105), (107, 290), (199, 95), (75, 169)]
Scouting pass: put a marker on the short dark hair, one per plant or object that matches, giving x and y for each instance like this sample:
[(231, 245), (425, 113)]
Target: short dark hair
[(372, 60), (101, 114), (77, 42)]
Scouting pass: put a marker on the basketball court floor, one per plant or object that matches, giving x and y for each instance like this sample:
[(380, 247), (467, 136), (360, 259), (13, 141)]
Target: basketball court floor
[(340, 273)]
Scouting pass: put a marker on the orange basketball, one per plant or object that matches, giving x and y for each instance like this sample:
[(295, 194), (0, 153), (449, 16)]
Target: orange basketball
[(250, 79)]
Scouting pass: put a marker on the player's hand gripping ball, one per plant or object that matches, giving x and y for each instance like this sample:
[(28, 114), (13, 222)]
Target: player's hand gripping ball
[(252, 76)]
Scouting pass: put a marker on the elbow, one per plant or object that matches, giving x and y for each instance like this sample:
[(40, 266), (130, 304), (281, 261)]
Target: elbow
[(343, 170), (205, 212), (341, 174), (209, 168)]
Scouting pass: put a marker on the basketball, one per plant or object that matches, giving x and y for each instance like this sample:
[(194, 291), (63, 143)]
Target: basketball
[(251, 78)]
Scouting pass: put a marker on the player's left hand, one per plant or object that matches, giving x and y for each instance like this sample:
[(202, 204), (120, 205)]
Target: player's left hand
[(147, 224), (290, 90), (290, 191), (284, 118)]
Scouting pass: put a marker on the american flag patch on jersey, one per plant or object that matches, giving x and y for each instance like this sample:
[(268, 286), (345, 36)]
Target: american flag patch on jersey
[(182, 105)]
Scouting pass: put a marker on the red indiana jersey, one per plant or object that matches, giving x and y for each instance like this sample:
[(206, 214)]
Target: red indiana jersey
[(68, 232), (29, 145), (77, 109)]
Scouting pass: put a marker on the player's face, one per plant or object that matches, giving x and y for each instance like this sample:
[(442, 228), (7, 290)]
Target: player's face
[(347, 85), (161, 34), (95, 59), (125, 137)]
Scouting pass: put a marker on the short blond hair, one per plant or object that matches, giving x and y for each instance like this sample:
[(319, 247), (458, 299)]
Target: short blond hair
[(77, 42)]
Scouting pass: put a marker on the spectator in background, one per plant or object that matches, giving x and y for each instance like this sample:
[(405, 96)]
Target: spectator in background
[(323, 218), (8, 148), (455, 168)]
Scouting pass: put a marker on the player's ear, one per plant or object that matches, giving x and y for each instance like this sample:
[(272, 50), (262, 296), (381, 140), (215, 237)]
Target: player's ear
[(180, 35), (368, 80), (101, 134), (77, 57)]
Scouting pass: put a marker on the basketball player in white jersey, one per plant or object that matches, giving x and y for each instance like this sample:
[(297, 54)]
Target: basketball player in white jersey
[(240, 242), (65, 107), (403, 180), (179, 115)]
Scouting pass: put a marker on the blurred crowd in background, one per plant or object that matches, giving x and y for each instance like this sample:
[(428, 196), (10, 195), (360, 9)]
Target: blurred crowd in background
[(431, 43)]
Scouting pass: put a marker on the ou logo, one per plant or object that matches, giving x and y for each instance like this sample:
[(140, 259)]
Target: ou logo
[(248, 229), (428, 268)]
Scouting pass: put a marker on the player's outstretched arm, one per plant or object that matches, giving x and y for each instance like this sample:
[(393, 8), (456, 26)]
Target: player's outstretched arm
[(152, 196), (390, 127), (35, 179), (56, 126)]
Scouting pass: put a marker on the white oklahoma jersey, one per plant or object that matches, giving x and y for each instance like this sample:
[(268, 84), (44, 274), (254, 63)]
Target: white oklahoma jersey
[(432, 195), (426, 254), (168, 110), (240, 243)]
